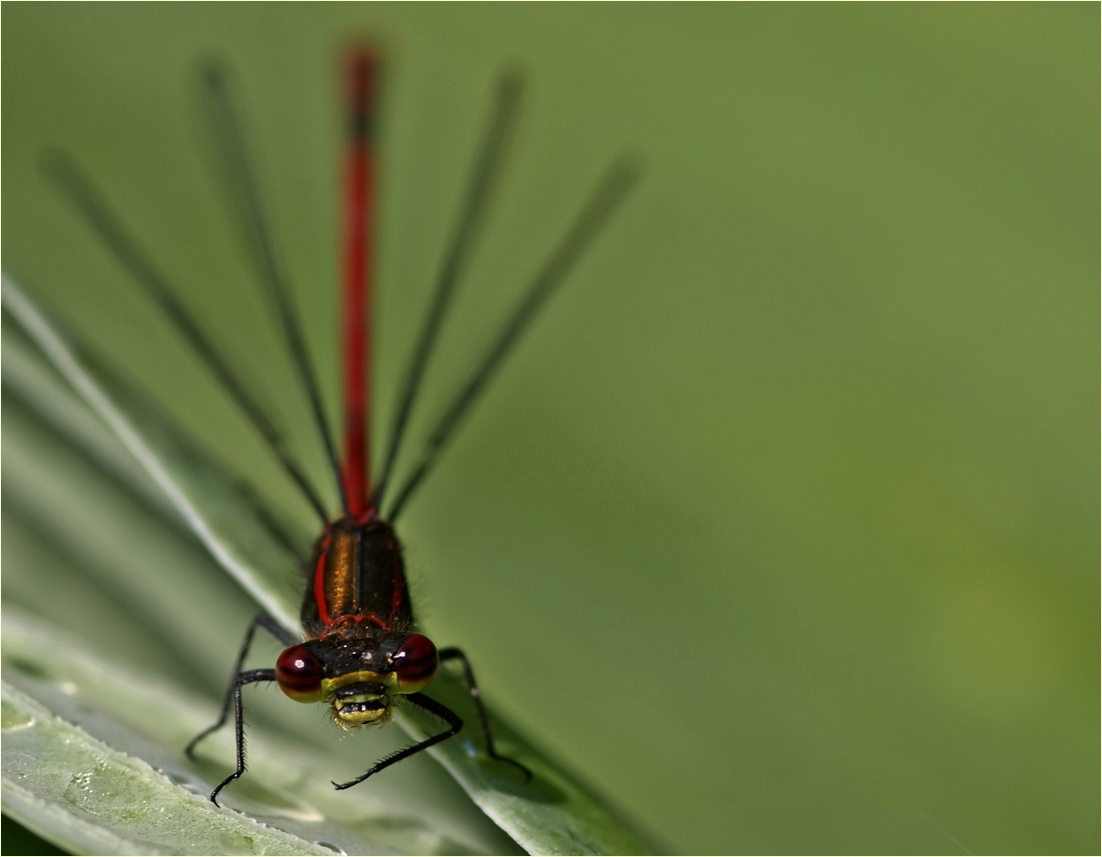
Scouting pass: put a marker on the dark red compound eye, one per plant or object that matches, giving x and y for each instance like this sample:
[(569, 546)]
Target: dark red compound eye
[(298, 672), (415, 663)]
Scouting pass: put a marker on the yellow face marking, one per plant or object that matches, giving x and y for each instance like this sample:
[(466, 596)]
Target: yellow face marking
[(348, 718), (347, 711), (329, 686)]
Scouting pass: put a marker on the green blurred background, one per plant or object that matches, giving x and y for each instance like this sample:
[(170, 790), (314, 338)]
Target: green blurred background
[(782, 526)]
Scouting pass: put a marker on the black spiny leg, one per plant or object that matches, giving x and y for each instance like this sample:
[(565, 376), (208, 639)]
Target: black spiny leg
[(454, 721), (454, 654), (242, 679), (239, 679)]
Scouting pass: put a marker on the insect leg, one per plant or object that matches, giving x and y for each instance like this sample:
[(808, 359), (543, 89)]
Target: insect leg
[(454, 721), (262, 620), (239, 682), (454, 654)]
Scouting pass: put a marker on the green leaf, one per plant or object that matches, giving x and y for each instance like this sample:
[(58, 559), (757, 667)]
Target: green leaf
[(84, 795), (116, 690)]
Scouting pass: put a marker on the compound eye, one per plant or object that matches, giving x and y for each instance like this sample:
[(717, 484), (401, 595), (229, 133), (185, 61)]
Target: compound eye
[(298, 672), (415, 663)]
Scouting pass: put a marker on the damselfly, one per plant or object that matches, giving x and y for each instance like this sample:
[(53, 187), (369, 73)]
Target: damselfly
[(362, 651)]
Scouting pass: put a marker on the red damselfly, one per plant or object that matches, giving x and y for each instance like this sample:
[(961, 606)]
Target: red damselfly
[(362, 651)]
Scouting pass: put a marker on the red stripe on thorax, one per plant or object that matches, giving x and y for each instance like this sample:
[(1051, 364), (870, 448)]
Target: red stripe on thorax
[(399, 589), (319, 584)]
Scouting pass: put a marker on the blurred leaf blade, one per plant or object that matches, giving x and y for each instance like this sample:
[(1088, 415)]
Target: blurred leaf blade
[(211, 501)]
